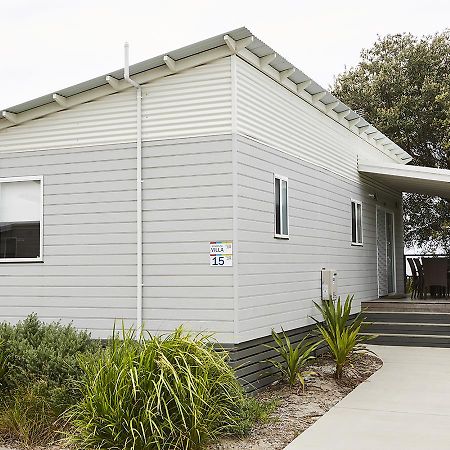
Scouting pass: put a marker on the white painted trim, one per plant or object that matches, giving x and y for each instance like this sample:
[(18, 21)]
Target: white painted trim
[(394, 252), (361, 231), (139, 225), (413, 172), (394, 249), (281, 235), (235, 177), (41, 225), (376, 250)]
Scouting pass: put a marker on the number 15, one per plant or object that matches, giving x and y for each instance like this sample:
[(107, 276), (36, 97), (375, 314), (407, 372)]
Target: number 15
[(218, 261)]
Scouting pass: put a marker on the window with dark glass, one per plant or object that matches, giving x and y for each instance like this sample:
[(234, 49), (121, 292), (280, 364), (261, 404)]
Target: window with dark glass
[(281, 207), (20, 219), (357, 237)]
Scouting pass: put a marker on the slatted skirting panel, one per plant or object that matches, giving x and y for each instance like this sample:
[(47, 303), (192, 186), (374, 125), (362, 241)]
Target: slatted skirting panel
[(251, 359)]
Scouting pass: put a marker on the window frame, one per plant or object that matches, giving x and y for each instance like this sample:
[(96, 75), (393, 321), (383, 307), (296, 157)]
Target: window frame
[(280, 235), (41, 220), (358, 231)]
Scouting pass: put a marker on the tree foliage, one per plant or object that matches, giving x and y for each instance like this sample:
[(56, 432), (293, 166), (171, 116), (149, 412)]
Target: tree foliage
[(402, 86)]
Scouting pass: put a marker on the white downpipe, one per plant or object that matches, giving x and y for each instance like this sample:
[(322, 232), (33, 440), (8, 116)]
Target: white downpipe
[(139, 280)]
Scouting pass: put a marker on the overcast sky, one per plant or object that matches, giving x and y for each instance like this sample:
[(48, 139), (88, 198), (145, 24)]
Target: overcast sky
[(51, 44)]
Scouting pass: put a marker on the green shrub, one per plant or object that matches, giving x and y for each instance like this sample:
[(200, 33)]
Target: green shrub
[(341, 334), (38, 370), (252, 411), (37, 351), (170, 392), (28, 415), (293, 359), (3, 364)]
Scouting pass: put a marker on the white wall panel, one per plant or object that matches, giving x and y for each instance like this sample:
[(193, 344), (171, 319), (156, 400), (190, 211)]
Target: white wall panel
[(279, 279), (272, 114), (88, 273), (110, 119), (193, 103), (188, 202), (196, 102)]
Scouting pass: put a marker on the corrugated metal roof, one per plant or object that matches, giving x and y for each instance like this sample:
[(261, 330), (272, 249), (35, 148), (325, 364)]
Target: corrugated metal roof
[(257, 47)]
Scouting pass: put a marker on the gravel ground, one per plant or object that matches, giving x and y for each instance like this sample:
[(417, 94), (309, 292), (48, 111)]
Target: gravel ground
[(297, 410)]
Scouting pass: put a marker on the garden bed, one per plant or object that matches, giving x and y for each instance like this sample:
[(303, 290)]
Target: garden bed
[(174, 391), (297, 410)]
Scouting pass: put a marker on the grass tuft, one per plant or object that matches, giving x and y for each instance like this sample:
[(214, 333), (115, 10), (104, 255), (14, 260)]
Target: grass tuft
[(159, 392)]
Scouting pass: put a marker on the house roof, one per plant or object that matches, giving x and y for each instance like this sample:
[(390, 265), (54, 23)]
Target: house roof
[(239, 41), (420, 180)]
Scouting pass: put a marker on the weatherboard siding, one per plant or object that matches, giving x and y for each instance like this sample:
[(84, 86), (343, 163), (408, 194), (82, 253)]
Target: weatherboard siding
[(88, 273), (279, 279), (272, 114), (196, 102), (87, 157), (187, 202)]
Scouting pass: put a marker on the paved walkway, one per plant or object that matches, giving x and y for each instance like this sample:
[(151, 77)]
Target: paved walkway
[(403, 406)]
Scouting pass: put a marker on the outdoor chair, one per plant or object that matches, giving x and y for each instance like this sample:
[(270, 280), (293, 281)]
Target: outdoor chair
[(414, 279), (420, 283), (435, 271), (448, 276)]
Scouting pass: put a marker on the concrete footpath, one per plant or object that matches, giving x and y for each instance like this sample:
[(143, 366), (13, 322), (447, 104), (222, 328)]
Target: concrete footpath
[(403, 406)]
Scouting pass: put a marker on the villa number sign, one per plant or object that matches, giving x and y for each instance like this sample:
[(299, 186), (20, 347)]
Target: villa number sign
[(221, 253)]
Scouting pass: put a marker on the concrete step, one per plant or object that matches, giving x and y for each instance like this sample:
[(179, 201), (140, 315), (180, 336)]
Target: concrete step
[(406, 317), (411, 340), (405, 328)]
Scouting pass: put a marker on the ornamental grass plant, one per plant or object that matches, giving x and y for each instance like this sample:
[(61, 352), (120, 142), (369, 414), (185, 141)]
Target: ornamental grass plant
[(157, 392), (341, 332), (293, 359)]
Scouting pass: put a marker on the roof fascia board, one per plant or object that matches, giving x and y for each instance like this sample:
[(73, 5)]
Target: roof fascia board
[(413, 172), (268, 70)]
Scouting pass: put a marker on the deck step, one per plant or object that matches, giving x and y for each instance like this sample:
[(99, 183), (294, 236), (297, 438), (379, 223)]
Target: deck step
[(418, 322), (407, 317), (410, 340), (437, 306), (407, 328)]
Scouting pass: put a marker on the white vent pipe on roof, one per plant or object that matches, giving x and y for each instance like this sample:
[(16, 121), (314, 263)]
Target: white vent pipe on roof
[(139, 280)]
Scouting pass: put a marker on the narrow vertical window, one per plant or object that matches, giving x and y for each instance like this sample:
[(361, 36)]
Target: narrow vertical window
[(20, 219), (281, 207), (357, 236)]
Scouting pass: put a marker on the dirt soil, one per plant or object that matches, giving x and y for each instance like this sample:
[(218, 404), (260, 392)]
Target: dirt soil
[(297, 410)]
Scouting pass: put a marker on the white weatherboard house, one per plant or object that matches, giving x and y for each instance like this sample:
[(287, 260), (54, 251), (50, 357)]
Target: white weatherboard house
[(209, 188)]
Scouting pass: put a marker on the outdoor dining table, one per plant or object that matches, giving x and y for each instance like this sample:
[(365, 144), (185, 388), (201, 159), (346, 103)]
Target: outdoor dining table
[(436, 274)]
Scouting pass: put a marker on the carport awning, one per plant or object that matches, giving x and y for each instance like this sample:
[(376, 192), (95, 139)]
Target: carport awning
[(421, 180)]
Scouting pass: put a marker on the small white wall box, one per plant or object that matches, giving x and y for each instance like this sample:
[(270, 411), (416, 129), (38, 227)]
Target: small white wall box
[(329, 278)]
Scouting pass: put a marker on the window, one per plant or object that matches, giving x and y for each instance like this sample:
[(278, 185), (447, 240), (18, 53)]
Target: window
[(20, 219), (281, 207), (357, 236)]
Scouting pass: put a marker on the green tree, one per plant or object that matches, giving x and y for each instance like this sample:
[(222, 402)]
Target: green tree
[(402, 86)]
